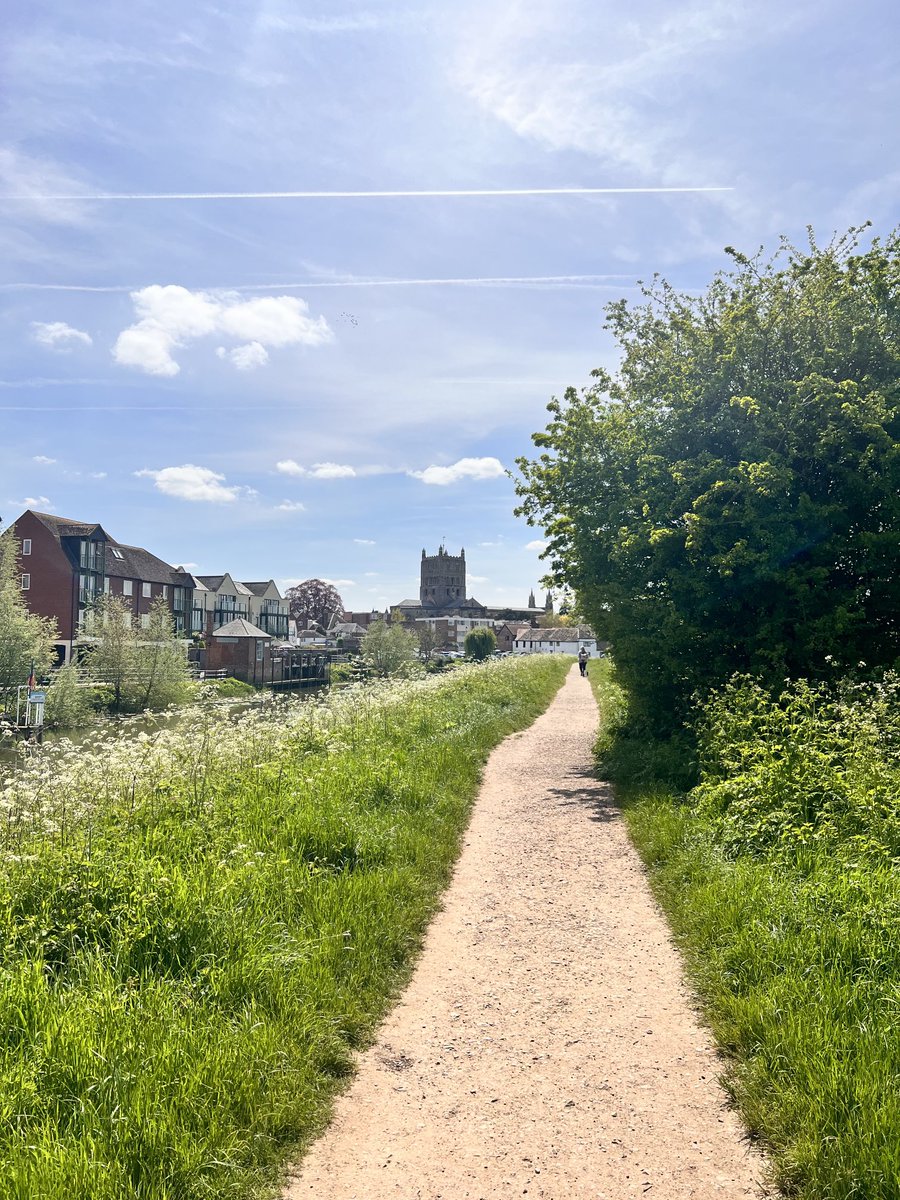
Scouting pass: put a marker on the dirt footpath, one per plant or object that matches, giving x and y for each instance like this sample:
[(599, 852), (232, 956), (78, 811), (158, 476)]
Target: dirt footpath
[(546, 1046)]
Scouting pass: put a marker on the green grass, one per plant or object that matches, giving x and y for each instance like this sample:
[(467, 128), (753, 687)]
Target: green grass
[(198, 929), (779, 876)]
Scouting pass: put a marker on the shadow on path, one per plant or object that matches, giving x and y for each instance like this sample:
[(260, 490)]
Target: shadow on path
[(582, 788)]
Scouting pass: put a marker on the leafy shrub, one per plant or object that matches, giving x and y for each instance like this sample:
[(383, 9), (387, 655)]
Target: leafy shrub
[(226, 689), (480, 644), (813, 764), (69, 703)]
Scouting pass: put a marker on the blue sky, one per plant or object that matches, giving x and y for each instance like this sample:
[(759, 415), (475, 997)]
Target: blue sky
[(323, 385)]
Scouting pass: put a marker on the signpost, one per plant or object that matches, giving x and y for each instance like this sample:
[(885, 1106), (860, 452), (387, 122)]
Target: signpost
[(34, 701)]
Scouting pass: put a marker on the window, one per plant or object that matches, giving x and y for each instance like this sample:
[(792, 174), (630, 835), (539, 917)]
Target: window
[(118, 553), (146, 589), (127, 587), (26, 582), (145, 620), (260, 650), (105, 585), (26, 545), (165, 591)]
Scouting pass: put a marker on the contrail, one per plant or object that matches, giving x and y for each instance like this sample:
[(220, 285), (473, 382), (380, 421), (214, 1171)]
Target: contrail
[(557, 281), (368, 195)]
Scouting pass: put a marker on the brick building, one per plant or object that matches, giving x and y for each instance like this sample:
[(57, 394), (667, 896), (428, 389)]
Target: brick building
[(67, 564)]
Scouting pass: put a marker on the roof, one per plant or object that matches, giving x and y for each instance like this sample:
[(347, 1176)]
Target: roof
[(241, 628), (564, 633), (122, 561), (134, 562), (64, 527), (212, 583), (260, 589)]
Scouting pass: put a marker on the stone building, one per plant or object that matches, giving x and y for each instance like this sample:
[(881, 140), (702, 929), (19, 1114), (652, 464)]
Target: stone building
[(442, 589), (442, 579)]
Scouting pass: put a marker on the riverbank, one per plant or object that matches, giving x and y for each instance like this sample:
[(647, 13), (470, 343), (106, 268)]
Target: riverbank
[(199, 927)]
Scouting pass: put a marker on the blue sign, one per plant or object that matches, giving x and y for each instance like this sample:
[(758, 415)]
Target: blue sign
[(37, 697)]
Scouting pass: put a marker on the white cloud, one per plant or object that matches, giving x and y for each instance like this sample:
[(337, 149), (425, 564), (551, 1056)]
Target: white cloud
[(476, 578), (58, 335), (98, 474), (330, 470), (170, 317), (147, 349), (41, 503), (323, 470), (33, 182), (340, 582), (522, 64), (364, 541), (43, 460), (245, 358), (291, 506), (537, 544), (193, 483), (465, 468)]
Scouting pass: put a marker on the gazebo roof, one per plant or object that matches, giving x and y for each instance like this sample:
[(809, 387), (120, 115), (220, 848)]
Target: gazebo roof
[(241, 628)]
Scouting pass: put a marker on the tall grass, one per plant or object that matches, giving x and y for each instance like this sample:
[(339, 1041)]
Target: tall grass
[(199, 927), (779, 874)]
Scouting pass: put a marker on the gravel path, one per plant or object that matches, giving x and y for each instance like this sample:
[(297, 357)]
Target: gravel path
[(546, 1046)]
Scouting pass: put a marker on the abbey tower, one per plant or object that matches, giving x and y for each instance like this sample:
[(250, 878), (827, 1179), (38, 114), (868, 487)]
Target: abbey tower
[(442, 581)]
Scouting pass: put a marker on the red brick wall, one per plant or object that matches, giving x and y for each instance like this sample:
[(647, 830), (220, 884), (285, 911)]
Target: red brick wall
[(53, 579)]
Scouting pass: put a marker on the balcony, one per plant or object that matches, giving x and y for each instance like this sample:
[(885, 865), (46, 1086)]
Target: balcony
[(221, 616), (274, 623)]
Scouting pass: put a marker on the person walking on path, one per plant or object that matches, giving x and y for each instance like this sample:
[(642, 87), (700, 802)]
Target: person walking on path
[(546, 1047), (583, 657)]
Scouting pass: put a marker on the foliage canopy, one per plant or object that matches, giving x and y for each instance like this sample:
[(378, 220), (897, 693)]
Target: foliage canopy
[(480, 644), (388, 648), (729, 500), (314, 602), (143, 667)]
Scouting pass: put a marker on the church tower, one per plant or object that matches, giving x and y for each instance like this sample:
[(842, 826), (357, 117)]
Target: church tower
[(443, 579), (531, 603)]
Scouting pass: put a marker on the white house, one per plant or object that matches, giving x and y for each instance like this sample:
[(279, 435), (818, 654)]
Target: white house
[(557, 641)]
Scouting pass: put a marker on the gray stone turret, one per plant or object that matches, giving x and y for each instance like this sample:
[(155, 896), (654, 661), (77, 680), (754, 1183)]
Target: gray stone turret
[(443, 579)]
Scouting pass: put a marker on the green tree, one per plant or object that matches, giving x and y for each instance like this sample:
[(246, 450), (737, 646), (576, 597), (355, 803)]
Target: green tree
[(388, 649), (162, 672), (729, 500), (143, 668), (25, 638), (480, 643), (111, 656), (428, 639), (70, 704)]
